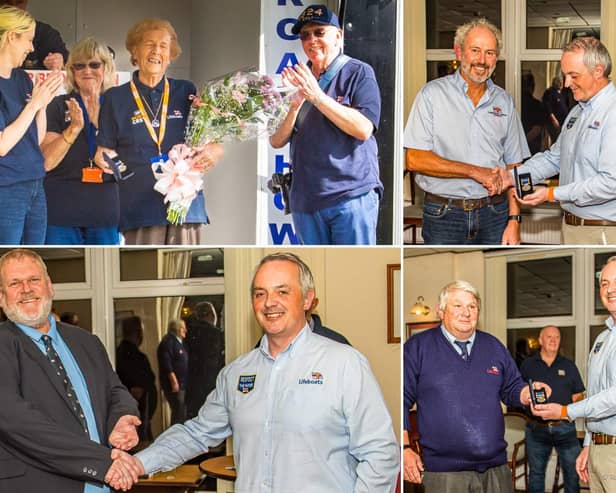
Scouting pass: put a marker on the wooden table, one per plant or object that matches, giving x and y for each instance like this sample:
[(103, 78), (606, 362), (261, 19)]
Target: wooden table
[(223, 469), (183, 479)]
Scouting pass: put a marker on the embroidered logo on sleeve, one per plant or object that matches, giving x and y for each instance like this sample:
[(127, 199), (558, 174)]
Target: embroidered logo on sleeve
[(316, 378), (571, 122), (246, 383), (597, 347)]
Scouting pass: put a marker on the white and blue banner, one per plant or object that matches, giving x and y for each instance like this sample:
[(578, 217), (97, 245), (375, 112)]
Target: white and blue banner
[(280, 49)]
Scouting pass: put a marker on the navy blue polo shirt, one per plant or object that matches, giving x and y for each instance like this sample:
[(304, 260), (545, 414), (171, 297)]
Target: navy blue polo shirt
[(24, 161), (71, 203), (562, 376), (329, 166), (121, 128)]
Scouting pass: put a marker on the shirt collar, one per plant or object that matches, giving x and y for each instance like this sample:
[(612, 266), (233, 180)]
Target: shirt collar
[(450, 337), (143, 88), (596, 99), (296, 344), (36, 335), (610, 324)]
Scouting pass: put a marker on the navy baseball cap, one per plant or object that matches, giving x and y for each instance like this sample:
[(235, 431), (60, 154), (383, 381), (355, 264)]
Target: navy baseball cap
[(316, 14)]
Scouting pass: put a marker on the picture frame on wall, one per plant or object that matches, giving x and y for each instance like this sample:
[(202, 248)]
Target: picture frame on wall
[(415, 328), (393, 304)]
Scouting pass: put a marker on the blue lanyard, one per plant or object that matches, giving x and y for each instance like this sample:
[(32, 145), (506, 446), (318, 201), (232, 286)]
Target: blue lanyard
[(89, 127), (333, 69)]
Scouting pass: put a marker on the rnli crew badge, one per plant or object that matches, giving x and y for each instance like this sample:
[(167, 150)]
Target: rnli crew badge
[(246, 383)]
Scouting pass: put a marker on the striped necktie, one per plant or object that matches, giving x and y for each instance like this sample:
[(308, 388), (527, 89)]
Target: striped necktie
[(462, 345)]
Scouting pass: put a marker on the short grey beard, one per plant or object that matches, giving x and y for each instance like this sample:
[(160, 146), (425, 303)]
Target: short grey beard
[(15, 315)]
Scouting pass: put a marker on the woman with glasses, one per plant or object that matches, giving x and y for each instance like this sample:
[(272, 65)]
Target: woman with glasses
[(23, 216), (140, 122), (82, 203)]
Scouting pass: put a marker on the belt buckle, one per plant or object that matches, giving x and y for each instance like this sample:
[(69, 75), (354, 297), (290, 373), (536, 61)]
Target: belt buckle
[(468, 204)]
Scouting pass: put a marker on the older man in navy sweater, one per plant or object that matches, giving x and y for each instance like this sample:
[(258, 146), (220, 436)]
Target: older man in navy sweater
[(458, 377)]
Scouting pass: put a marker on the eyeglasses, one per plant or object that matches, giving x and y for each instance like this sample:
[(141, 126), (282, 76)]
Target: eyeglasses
[(319, 33), (92, 65)]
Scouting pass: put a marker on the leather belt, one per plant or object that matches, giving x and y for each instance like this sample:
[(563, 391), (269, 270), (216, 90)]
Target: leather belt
[(550, 423), (465, 204), (578, 221), (603, 439)]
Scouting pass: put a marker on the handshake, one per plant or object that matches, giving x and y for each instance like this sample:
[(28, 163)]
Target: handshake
[(125, 469), (496, 180)]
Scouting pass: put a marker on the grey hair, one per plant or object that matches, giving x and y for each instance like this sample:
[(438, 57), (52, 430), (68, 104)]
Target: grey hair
[(306, 280), (20, 253), (443, 297), (595, 53), (464, 29), (608, 261), (174, 326)]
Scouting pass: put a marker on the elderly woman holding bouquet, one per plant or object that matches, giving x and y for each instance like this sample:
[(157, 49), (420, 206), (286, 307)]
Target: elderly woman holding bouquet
[(83, 206), (23, 215), (140, 122)]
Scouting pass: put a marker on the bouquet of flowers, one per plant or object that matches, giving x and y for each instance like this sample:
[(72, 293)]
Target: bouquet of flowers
[(238, 106)]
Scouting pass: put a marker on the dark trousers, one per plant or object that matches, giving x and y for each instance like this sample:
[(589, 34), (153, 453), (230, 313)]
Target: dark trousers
[(177, 404), (494, 480), (540, 440)]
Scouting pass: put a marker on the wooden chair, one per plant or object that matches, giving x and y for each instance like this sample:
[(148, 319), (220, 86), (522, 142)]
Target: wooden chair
[(515, 428), (413, 212), (414, 441)]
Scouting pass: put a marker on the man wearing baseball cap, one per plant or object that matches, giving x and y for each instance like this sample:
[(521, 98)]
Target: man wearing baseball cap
[(335, 189)]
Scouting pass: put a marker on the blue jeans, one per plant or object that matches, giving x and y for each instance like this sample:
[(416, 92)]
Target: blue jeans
[(67, 235), (23, 213), (447, 225), (539, 443), (352, 222)]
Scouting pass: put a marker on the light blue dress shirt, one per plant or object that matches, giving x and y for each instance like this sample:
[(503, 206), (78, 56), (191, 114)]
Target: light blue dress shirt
[(444, 120), (599, 408), (313, 420), (584, 157), (76, 378), (450, 337)]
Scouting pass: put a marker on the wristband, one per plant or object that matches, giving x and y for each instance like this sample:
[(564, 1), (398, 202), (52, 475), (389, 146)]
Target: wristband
[(551, 194), (563, 412), (406, 445), (66, 140), (515, 217)]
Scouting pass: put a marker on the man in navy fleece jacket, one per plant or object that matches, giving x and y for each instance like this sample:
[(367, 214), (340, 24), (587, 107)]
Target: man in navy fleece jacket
[(458, 377)]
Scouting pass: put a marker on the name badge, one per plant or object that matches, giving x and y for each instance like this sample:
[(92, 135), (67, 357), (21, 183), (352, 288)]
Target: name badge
[(91, 174), (159, 159)]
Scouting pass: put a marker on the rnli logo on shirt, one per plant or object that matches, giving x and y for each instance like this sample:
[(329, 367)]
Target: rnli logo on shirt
[(175, 114), (316, 378), (136, 119), (597, 347), (571, 122), (493, 371), (246, 383), (595, 125), (562, 373), (496, 111)]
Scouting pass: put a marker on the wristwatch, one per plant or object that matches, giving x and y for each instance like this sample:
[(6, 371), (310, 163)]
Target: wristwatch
[(515, 217)]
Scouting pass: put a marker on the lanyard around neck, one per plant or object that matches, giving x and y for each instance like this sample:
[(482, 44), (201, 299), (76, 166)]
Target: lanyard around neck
[(89, 126), (158, 139)]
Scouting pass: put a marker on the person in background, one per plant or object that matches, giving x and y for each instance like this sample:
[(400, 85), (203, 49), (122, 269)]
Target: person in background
[(70, 318), (556, 106), (173, 369), (49, 51), (22, 128), (563, 377), (461, 128), (335, 188), (597, 460), (205, 344), (62, 404), (82, 209), (134, 370), (140, 121)]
